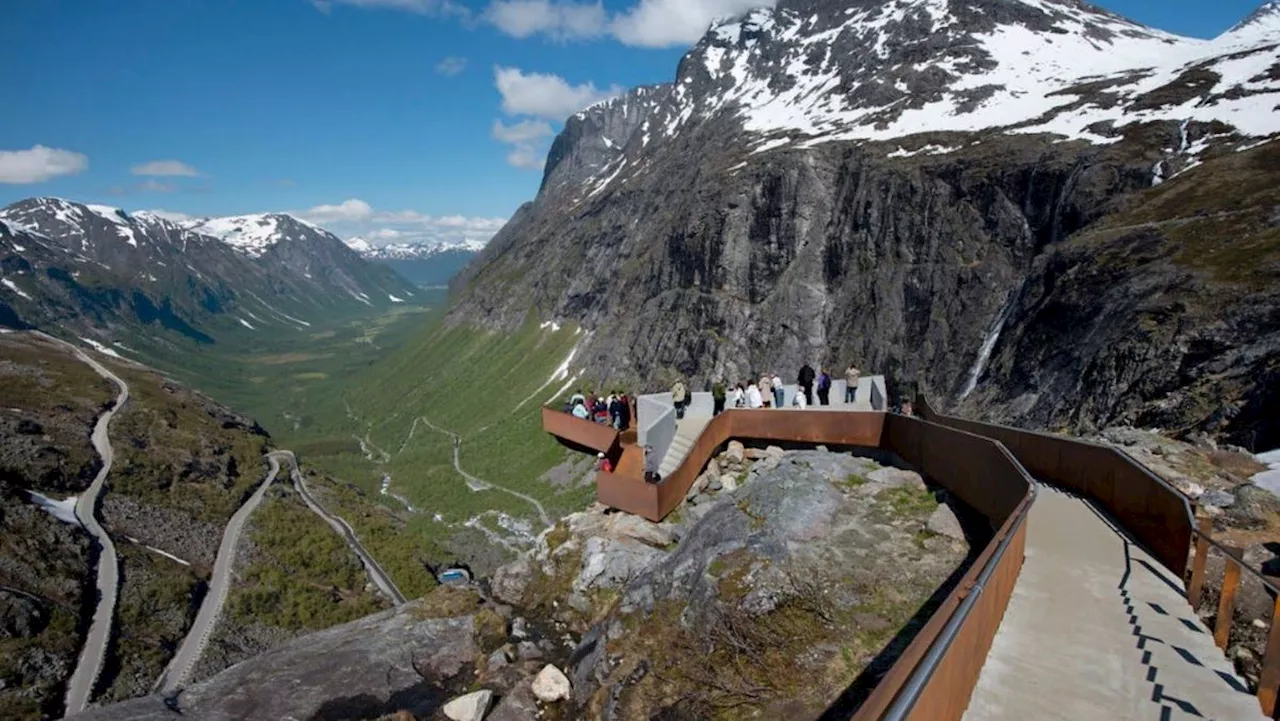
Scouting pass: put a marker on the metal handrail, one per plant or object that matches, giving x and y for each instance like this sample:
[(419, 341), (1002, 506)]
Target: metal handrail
[(905, 701), (1182, 497)]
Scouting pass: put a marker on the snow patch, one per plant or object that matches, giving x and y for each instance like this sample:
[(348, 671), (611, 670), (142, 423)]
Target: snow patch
[(394, 299), (14, 287), (245, 323), (1270, 478), (104, 350), (63, 510)]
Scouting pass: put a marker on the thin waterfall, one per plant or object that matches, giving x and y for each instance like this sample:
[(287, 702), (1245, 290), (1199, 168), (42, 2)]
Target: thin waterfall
[(989, 344)]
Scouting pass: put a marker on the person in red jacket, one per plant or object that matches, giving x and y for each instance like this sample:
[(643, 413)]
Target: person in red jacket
[(605, 464)]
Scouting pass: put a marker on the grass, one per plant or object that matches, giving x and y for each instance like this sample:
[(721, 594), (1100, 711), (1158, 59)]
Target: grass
[(306, 578)]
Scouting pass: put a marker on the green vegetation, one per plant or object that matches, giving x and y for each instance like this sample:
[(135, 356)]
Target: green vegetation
[(175, 449), (906, 501), (1218, 218), (304, 577), (23, 700), (156, 607)]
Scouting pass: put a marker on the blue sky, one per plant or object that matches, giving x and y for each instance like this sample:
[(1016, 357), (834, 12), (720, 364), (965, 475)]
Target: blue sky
[(358, 109)]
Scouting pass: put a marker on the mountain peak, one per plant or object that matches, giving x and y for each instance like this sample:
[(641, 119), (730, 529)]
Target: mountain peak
[(253, 234), (1262, 22)]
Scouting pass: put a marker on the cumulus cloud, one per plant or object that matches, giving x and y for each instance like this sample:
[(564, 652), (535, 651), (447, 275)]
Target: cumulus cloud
[(559, 19), (451, 66), (525, 139), (165, 168), (545, 95), (354, 218), (664, 23), (38, 164), (352, 209)]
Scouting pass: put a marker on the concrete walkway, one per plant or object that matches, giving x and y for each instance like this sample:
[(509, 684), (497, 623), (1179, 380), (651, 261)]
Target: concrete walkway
[(1097, 629)]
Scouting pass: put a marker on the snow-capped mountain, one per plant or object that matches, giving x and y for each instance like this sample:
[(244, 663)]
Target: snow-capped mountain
[(814, 71), (412, 251), (1012, 201), (253, 235), (104, 272), (428, 265)]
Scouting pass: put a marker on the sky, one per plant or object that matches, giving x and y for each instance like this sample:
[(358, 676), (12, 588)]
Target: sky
[(395, 120)]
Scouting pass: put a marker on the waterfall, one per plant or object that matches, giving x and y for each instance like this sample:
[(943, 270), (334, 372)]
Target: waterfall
[(989, 344)]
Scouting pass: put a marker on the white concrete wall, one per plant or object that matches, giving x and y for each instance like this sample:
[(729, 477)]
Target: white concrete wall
[(655, 422)]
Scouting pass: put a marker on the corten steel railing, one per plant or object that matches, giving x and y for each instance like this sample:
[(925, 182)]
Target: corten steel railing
[(935, 675), (578, 432), (1158, 515)]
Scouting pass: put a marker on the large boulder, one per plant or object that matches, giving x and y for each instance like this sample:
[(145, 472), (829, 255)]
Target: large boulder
[(551, 685), (784, 593), (405, 659), (471, 707)]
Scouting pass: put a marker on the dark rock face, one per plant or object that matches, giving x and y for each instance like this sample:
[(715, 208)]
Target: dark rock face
[(698, 235), (396, 660)]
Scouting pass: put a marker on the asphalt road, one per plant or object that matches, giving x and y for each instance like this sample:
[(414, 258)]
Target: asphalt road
[(184, 661), (371, 567), (92, 655)]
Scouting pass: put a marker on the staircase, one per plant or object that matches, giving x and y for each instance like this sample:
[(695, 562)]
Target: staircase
[(687, 432)]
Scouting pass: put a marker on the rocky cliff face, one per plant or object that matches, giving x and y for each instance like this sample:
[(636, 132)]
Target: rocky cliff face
[(854, 181)]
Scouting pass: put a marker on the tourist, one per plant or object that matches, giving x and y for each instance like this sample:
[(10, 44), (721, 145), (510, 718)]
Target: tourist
[(800, 401), (754, 399), (580, 409), (651, 464), (625, 400), (766, 390), (851, 375), (779, 393), (605, 465), (615, 410), (602, 412), (679, 397), (717, 398), (806, 381), (736, 396), (824, 388)]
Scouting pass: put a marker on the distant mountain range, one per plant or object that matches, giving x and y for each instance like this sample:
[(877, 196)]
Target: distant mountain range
[(424, 265), (98, 272)]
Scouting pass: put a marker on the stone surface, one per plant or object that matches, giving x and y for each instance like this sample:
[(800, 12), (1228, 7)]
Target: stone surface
[(736, 452), (610, 563), (518, 704), (896, 477), (509, 582), (471, 707), (1221, 499), (944, 523), (391, 661), (551, 685)]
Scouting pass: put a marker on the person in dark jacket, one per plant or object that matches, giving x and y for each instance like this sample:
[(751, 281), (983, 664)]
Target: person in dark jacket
[(615, 411), (824, 388), (717, 397), (806, 382)]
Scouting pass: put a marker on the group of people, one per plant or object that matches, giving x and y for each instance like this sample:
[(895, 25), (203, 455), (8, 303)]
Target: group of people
[(767, 392), (612, 410)]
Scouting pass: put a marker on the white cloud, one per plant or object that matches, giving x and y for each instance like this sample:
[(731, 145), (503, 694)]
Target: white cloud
[(165, 168), (155, 186), (664, 23), (420, 7), (171, 215), (354, 218), (525, 139), (351, 209), (525, 131), (38, 164), (451, 66), (559, 19), (545, 95)]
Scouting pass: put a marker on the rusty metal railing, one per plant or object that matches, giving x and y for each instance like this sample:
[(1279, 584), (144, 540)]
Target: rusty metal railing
[(1164, 521)]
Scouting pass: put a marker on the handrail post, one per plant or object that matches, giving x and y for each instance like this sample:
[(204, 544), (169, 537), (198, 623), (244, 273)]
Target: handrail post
[(1269, 679), (1196, 584), (1227, 602)]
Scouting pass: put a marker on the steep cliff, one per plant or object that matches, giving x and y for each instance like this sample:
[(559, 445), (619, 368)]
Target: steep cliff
[(903, 186)]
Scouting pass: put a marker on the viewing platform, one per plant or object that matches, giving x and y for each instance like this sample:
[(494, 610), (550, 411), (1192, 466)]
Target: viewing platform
[(1079, 606)]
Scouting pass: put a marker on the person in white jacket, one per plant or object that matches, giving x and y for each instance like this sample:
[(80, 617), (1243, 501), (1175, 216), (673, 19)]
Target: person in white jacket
[(754, 399), (800, 401)]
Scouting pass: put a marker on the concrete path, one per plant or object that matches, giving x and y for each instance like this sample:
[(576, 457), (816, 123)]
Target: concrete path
[(371, 567), (1097, 629), (184, 661), (93, 654)]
